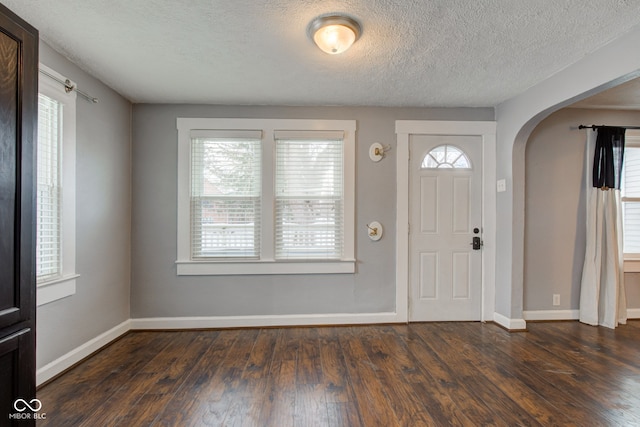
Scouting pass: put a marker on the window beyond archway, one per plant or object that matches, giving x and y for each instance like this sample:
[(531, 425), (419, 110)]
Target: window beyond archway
[(446, 157)]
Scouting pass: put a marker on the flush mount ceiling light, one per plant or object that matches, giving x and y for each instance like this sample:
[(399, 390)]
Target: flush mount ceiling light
[(334, 34)]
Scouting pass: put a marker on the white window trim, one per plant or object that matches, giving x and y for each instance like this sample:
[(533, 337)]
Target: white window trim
[(267, 264), (63, 286), (631, 261)]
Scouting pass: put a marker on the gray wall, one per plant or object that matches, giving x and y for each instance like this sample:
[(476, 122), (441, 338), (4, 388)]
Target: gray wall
[(103, 220), (555, 233), (156, 291)]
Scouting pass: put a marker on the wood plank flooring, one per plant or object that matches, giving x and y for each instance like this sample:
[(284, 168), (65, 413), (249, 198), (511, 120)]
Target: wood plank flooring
[(421, 374)]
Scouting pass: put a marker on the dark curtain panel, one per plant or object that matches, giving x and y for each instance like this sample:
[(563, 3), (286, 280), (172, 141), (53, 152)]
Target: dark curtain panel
[(608, 157)]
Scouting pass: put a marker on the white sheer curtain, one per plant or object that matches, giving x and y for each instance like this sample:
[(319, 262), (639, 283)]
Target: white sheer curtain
[(602, 294)]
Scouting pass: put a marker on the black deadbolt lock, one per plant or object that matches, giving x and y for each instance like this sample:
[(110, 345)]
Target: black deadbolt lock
[(476, 243)]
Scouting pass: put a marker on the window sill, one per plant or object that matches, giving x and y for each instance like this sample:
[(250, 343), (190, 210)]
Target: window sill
[(632, 265), (208, 268), (56, 289)]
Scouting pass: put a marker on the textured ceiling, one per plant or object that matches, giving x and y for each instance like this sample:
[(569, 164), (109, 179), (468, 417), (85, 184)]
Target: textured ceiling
[(411, 53)]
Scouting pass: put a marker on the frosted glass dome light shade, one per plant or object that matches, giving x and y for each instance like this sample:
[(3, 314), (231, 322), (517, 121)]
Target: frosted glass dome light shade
[(334, 34)]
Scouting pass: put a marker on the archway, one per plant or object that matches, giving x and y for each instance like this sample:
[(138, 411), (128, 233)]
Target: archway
[(516, 119)]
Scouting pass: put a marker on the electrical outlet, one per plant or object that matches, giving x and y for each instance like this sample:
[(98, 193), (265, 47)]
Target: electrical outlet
[(556, 299), (501, 185)]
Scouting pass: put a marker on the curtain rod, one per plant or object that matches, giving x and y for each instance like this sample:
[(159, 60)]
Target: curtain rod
[(68, 87), (594, 127)]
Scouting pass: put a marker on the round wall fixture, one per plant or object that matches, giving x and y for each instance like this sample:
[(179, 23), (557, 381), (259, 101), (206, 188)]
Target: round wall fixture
[(374, 229), (376, 152)]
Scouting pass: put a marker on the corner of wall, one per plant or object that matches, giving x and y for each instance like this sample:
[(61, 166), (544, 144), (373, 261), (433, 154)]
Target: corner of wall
[(512, 325)]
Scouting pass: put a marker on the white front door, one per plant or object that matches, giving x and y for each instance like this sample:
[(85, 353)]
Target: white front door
[(445, 209)]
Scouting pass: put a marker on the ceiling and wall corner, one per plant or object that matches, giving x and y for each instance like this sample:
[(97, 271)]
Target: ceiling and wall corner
[(442, 53)]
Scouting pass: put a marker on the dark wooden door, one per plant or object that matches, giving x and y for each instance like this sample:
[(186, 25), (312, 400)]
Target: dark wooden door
[(18, 127)]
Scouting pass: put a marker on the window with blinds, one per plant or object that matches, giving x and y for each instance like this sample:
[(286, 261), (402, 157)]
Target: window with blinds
[(309, 214), (265, 196), (225, 196), (631, 195), (56, 189), (49, 190)]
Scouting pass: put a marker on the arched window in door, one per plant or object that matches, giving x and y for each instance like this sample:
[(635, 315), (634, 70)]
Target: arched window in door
[(446, 157)]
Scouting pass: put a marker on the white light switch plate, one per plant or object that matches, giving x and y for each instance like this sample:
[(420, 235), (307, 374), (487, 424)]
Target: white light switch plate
[(501, 186)]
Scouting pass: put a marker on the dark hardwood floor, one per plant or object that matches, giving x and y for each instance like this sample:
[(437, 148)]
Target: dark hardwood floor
[(424, 374)]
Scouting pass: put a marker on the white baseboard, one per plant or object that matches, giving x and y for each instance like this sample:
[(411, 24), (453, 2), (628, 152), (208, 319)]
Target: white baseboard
[(551, 314), (66, 361), (263, 321), (509, 324), (633, 313)]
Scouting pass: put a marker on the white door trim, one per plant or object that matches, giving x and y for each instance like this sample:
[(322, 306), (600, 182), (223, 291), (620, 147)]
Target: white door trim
[(487, 131)]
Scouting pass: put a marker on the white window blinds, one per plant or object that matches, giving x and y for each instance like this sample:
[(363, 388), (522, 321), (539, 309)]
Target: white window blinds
[(309, 195), (225, 195), (48, 211)]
